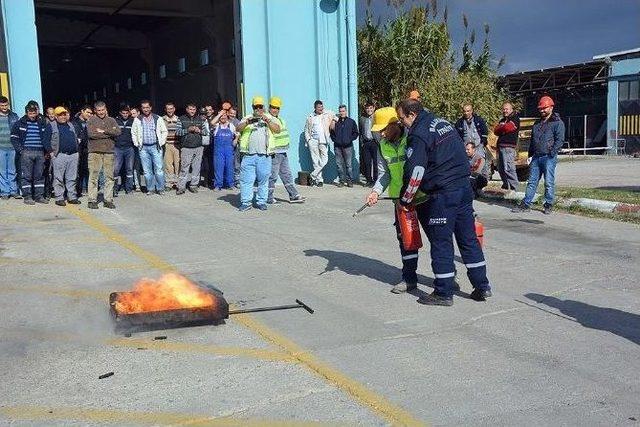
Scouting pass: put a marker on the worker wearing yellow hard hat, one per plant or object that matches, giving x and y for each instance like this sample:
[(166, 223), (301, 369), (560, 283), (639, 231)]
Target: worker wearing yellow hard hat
[(257, 139), (279, 160), (391, 158)]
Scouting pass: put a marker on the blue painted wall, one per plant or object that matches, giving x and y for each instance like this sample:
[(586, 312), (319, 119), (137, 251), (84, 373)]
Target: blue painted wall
[(22, 52), (620, 70), (300, 50)]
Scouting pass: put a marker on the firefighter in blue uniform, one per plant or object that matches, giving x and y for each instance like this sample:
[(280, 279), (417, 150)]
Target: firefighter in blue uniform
[(437, 165)]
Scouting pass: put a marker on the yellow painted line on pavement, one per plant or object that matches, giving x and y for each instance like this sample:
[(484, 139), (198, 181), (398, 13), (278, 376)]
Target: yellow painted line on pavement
[(149, 344), (377, 403), (52, 290), (180, 347), (80, 264), (115, 416)]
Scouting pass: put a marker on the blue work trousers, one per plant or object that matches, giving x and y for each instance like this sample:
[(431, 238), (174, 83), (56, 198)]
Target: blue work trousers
[(223, 164), (448, 214)]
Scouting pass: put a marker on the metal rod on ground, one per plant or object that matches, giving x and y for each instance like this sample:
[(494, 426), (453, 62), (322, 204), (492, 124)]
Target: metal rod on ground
[(299, 304)]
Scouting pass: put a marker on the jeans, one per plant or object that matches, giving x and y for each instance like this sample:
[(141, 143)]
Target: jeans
[(124, 157), (254, 167), (8, 186), (319, 158), (153, 167), (65, 171), (100, 162), (541, 165), (370, 150), (32, 166), (344, 161), (446, 214), (280, 167), (507, 167)]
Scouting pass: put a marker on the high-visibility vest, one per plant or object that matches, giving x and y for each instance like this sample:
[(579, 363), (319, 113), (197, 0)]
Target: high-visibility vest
[(244, 139), (395, 155), (282, 139)]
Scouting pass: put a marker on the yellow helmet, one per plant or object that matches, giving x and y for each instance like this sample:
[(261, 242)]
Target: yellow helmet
[(257, 100), (382, 117), (275, 102)]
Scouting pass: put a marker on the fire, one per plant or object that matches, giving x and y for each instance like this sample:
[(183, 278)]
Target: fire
[(171, 291)]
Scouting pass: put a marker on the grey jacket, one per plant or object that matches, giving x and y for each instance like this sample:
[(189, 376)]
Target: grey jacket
[(55, 136)]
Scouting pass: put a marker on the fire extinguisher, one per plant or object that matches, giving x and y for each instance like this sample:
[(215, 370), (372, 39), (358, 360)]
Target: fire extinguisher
[(479, 231), (409, 228)]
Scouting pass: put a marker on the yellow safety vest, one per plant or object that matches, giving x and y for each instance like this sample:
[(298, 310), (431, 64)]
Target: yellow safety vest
[(246, 132)]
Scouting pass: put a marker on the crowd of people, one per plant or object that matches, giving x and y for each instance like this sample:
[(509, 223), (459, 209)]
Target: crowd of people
[(425, 164)]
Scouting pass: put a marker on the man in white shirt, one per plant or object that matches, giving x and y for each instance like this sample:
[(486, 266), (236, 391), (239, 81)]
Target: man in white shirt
[(316, 134)]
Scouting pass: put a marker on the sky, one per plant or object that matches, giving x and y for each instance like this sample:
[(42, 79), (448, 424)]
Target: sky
[(535, 34)]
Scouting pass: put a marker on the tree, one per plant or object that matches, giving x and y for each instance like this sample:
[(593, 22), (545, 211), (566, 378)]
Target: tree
[(413, 51)]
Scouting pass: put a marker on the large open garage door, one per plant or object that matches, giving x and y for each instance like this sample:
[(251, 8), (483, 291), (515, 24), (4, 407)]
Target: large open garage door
[(128, 50)]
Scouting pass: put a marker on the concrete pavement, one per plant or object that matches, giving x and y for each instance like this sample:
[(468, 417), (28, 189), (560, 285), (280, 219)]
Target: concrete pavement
[(557, 344)]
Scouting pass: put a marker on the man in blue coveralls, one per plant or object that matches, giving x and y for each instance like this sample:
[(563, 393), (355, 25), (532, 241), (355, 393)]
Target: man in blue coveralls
[(437, 165)]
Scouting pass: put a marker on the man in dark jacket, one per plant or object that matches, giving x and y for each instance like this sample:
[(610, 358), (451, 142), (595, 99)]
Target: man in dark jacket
[(507, 132), (547, 138), (8, 185), (369, 147), (31, 138), (472, 128), (437, 165), (80, 123), (124, 152), (344, 131), (192, 129)]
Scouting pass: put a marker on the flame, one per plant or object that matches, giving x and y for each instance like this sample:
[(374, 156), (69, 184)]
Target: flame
[(171, 291)]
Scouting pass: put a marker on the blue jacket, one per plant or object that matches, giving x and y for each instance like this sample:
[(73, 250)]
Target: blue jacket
[(19, 133), (344, 132), (547, 137), (481, 127), (436, 158)]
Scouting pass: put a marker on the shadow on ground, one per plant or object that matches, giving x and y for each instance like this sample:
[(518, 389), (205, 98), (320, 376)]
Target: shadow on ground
[(621, 323), (358, 265)]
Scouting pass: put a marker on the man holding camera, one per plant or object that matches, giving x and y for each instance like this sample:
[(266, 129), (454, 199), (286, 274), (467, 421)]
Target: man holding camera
[(256, 146)]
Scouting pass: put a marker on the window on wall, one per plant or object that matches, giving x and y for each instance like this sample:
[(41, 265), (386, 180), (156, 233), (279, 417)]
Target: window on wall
[(86, 98), (634, 90), (162, 71), (116, 87), (182, 65), (95, 95), (104, 92), (623, 91), (629, 91), (129, 83), (204, 57), (143, 78)]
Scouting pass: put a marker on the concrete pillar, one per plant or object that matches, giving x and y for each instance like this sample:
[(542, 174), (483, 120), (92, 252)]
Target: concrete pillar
[(22, 52)]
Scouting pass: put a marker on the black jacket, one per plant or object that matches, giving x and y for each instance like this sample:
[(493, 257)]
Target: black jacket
[(481, 127), (191, 139), (344, 132), (124, 140), (19, 133), (81, 131), (436, 158)]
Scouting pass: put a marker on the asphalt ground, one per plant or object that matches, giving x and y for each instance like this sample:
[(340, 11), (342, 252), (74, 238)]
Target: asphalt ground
[(556, 345)]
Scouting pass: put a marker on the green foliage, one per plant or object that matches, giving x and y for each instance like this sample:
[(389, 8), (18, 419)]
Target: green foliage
[(413, 51)]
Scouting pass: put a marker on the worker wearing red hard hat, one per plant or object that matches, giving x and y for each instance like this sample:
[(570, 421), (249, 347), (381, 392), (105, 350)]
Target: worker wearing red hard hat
[(547, 138)]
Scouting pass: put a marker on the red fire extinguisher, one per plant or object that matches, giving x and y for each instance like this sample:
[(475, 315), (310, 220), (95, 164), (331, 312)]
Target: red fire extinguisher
[(479, 231), (409, 228)]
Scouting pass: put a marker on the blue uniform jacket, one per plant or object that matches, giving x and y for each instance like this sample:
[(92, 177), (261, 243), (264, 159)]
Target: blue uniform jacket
[(436, 158), (19, 133)]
